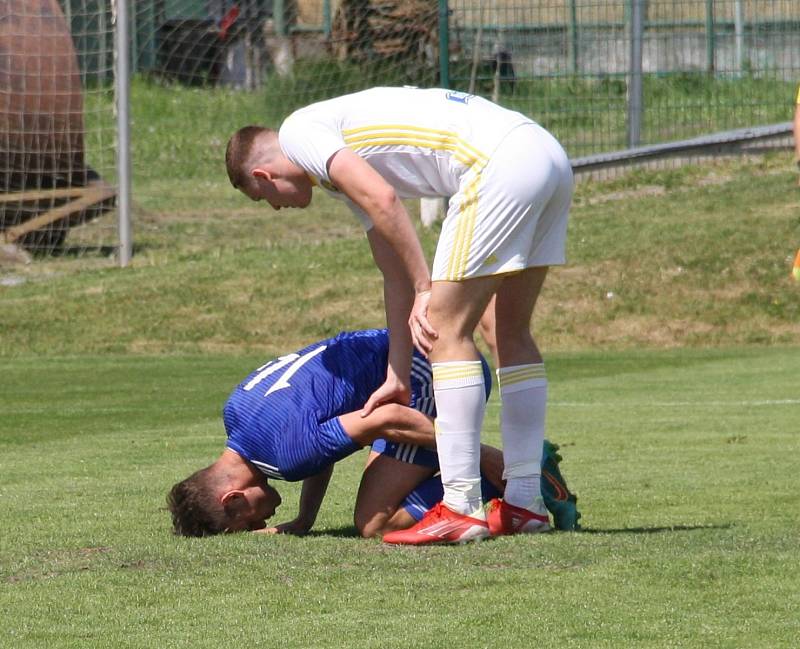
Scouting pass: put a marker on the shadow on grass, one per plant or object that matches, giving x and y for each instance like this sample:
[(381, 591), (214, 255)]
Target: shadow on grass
[(78, 250), (653, 530), (345, 532), (351, 532)]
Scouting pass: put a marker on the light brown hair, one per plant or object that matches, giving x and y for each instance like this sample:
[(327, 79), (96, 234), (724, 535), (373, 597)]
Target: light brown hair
[(240, 150)]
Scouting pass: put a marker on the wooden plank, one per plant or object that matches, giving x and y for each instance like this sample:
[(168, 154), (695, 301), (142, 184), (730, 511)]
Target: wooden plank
[(90, 195), (39, 194)]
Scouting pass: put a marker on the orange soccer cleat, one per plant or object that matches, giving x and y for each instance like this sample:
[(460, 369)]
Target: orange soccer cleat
[(440, 524), (508, 519)]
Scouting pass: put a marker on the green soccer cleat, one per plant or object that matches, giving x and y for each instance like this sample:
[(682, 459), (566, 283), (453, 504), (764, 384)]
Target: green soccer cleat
[(557, 498)]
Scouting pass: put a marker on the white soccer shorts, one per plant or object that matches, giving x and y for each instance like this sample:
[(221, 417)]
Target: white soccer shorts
[(510, 215)]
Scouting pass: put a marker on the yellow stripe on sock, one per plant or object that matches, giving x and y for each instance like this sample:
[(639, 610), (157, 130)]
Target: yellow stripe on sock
[(457, 371), (524, 373)]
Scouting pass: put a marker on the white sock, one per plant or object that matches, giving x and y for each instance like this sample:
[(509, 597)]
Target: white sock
[(523, 395), (460, 394)]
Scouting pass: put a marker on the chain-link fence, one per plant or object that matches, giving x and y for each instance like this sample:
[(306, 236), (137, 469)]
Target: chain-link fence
[(57, 157), (608, 75), (603, 76)]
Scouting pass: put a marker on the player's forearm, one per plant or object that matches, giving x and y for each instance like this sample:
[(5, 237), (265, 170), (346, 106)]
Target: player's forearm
[(311, 496), (391, 421), (405, 425), (395, 226), (398, 296), (397, 301)]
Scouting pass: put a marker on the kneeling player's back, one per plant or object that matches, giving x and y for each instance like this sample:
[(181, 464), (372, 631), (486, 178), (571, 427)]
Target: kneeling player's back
[(328, 378)]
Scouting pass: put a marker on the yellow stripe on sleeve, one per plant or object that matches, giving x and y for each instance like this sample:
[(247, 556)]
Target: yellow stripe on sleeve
[(403, 134)]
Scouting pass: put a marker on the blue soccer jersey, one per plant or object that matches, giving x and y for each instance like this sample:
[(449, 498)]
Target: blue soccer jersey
[(283, 418)]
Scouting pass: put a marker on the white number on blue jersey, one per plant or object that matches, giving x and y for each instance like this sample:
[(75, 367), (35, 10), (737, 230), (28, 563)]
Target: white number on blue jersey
[(296, 361)]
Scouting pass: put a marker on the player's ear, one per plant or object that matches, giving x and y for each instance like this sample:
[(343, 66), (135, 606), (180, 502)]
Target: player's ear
[(233, 501), (263, 174)]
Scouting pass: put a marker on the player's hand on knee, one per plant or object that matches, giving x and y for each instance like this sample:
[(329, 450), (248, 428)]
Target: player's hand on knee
[(422, 332), (392, 391)]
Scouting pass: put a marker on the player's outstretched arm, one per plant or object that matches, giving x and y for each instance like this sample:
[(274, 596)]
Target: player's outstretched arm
[(311, 496)]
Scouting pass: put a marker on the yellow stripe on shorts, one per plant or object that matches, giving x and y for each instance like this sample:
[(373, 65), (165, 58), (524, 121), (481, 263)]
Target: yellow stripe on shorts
[(459, 255)]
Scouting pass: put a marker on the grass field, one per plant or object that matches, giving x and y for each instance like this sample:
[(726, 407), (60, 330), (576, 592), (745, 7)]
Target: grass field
[(684, 463), (672, 340)]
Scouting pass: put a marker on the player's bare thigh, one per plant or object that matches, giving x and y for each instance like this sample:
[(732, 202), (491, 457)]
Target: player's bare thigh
[(384, 485)]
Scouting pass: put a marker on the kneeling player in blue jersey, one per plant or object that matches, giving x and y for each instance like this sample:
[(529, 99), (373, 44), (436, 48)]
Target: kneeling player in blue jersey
[(295, 417)]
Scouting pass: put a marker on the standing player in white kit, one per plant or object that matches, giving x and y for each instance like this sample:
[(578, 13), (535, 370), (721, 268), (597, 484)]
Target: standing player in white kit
[(510, 188)]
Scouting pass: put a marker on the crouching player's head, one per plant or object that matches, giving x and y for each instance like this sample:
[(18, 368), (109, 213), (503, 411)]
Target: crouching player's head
[(261, 171), (210, 501)]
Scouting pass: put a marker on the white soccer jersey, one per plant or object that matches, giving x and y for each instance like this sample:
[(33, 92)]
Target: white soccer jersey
[(509, 192), (421, 141)]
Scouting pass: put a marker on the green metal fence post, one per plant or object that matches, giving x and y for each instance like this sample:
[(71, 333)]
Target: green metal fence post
[(739, 25), (710, 44), (104, 60), (279, 16), (134, 36), (635, 87), (573, 36), (444, 44), (326, 18)]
